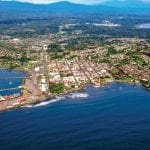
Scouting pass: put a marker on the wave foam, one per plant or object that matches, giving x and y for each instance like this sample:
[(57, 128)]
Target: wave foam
[(78, 95), (28, 106), (58, 98), (96, 86)]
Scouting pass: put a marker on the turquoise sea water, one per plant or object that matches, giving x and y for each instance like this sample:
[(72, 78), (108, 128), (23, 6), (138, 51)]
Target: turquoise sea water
[(109, 118)]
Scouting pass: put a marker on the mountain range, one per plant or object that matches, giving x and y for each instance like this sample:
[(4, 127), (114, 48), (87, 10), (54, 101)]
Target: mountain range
[(13, 8)]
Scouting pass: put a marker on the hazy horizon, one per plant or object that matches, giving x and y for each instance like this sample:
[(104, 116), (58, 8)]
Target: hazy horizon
[(89, 2)]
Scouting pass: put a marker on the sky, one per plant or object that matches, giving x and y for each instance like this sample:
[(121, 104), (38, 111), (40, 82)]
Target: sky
[(74, 1)]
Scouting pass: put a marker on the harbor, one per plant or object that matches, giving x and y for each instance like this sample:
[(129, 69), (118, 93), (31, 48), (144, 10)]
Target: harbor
[(34, 88)]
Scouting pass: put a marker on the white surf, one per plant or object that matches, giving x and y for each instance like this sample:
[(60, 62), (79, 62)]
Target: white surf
[(58, 98), (77, 95)]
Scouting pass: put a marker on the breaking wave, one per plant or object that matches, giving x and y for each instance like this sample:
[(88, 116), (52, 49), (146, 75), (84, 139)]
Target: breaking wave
[(58, 98), (75, 95), (78, 95), (96, 86)]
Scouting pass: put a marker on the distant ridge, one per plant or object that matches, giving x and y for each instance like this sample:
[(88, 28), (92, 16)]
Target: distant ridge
[(10, 5), (127, 3), (16, 9)]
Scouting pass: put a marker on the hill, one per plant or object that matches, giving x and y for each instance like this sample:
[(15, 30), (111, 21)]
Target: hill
[(13, 9)]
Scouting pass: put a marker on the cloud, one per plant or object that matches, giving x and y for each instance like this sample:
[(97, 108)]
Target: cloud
[(52, 1), (73, 1)]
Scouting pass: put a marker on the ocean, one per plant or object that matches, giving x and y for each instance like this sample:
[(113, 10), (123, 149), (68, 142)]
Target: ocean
[(109, 118), (11, 83)]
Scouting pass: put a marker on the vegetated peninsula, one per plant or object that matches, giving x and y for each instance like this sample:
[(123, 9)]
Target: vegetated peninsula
[(63, 54)]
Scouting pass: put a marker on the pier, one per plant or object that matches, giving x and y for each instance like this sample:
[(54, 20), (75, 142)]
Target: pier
[(10, 89), (13, 78)]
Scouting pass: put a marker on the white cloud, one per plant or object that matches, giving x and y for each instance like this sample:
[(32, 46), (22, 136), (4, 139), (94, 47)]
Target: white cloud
[(74, 1), (52, 1)]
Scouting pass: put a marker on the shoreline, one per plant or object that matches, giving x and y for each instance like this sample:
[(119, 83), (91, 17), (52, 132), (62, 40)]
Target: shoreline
[(37, 101), (50, 98), (43, 98)]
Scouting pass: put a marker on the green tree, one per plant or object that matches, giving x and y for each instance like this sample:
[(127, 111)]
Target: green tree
[(56, 88)]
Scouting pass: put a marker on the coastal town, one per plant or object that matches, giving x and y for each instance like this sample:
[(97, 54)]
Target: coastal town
[(75, 74), (55, 66)]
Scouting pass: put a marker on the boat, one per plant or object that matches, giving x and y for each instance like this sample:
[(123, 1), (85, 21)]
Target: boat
[(10, 83)]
